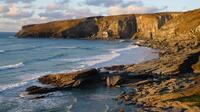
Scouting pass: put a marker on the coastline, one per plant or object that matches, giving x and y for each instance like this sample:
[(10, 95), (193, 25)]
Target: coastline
[(161, 84), (154, 85)]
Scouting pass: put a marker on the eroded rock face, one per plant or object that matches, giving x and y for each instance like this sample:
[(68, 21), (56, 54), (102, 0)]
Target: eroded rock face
[(86, 28), (110, 27)]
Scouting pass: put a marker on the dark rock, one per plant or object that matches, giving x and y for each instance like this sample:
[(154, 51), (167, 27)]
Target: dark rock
[(164, 90), (40, 90), (115, 68), (73, 79)]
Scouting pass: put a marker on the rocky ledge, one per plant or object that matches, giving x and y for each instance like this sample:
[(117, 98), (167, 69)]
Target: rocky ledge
[(169, 83)]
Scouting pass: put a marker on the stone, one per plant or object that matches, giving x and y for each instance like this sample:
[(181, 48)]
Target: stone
[(113, 80), (73, 79)]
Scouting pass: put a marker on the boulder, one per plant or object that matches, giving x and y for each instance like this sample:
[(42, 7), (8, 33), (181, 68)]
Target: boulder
[(113, 80), (73, 79)]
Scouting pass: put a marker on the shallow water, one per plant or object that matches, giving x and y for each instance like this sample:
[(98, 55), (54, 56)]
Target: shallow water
[(24, 60)]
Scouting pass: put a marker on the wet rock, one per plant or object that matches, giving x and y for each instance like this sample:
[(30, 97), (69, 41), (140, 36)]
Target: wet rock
[(131, 90), (127, 97), (113, 80), (40, 90), (73, 79), (121, 110), (115, 68)]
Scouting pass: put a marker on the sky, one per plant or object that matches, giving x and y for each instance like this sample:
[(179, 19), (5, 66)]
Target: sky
[(16, 13)]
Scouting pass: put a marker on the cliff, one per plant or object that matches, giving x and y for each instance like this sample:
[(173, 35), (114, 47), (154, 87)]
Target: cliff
[(109, 27), (181, 32)]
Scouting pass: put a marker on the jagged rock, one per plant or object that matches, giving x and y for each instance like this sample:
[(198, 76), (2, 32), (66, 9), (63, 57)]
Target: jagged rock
[(113, 80), (72, 79), (173, 64)]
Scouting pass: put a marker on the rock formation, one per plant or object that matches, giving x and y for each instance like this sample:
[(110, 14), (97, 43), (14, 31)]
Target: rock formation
[(109, 27)]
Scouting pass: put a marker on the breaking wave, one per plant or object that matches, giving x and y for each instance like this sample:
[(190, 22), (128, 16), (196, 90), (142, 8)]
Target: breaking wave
[(13, 66)]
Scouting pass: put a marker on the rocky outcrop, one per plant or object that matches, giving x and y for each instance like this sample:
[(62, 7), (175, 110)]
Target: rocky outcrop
[(110, 27), (72, 79), (183, 62), (181, 32)]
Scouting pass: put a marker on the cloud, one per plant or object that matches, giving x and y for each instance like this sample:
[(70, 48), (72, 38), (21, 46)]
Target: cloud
[(59, 5), (71, 13), (79, 13), (15, 12), (110, 3), (53, 6), (52, 14), (64, 1), (116, 10), (3, 9), (17, 1)]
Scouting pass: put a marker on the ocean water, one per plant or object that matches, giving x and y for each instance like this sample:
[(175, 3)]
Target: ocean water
[(22, 61)]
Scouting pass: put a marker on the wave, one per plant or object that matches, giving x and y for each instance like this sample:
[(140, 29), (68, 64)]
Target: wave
[(25, 80), (13, 66), (65, 47), (24, 49), (125, 49), (11, 37), (44, 59), (98, 59), (70, 47), (122, 40), (9, 86)]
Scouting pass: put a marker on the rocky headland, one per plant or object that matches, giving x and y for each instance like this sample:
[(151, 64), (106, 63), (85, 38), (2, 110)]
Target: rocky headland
[(169, 83)]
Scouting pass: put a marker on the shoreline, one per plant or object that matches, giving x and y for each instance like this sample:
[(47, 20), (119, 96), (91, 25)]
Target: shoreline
[(169, 83), (162, 74)]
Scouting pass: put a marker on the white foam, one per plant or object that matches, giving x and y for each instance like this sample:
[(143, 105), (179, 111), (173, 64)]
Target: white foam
[(25, 80), (9, 86), (13, 66), (114, 53), (126, 48), (121, 40), (94, 60)]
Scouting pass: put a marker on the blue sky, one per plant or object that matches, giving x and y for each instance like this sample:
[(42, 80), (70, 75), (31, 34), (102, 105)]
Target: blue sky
[(16, 13)]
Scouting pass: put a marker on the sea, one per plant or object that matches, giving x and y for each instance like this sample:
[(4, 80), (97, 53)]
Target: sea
[(23, 60)]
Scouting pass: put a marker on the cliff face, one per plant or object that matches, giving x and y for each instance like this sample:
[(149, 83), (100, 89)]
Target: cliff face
[(110, 27), (182, 31)]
